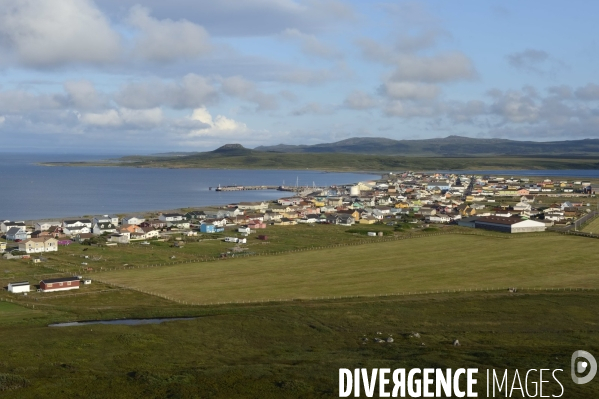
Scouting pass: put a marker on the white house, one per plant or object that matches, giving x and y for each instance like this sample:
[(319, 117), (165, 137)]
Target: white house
[(112, 219), (132, 220), (171, 217), (256, 206), (522, 206), (36, 245), (2, 247), (103, 227), (119, 238), (244, 229), (43, 226), (20, 287), (76, 226), (7, 224), (438, 219), (182, 224)]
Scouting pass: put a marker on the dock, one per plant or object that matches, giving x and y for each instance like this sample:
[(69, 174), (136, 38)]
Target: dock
[(296, 190), (245, 188)]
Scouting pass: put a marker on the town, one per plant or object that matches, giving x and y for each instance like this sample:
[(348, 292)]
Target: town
[(418, 200)]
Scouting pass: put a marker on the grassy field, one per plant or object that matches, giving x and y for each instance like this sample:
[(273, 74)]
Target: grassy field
[(295, 350), (592, 226), (280, 238), (419, 264)]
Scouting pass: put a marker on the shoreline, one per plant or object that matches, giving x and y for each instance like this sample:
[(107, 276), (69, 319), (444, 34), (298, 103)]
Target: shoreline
[(323, 170), (108, 165)]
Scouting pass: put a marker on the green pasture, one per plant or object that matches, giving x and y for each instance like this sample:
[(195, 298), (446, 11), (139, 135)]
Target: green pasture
[(280, 238), (295, 350), (592, 226), (434, 263)]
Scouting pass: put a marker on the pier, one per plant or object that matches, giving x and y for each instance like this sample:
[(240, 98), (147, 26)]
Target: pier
[(245, 188), (293, 189)]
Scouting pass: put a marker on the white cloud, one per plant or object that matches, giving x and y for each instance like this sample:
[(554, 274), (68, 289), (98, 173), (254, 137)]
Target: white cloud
[(191, 91), (438, 68), (410, 90), (221, 126), (247, 17), (110, 118), (166, 40), (83, 95), (515, 106), (311, 45), (2, 120), (20, 101), (130, 118), (407, 109), (54, 33), (589, 92), (314, 108), (529, 60), (359, 100), (239, 87)]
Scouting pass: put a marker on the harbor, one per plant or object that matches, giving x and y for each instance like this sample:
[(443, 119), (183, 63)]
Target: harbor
[(295, 189)]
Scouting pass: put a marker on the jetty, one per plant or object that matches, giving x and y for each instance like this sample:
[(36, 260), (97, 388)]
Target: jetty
[(244, 188), (297, 190)]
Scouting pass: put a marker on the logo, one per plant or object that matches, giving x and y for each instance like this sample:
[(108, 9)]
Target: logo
[(583, 361)]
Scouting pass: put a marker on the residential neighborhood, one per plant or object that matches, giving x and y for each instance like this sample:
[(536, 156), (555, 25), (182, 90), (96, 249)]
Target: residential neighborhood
[(504, 204)]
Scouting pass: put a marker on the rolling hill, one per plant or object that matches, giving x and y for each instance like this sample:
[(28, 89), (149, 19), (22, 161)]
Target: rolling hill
[(453, 146)]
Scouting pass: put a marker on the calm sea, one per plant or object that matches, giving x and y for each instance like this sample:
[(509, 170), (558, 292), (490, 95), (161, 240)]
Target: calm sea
[(30, 191)]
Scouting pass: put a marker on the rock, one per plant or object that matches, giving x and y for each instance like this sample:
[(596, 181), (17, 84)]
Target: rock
[(423, 344), (415, 335), (378, 333), (456, 342), (378, 340), (389, 339), (365, 339)]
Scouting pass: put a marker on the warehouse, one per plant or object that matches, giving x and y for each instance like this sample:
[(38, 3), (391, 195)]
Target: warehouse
[(509, 224)]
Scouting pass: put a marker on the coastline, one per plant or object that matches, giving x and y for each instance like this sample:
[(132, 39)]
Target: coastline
[(124, 165)]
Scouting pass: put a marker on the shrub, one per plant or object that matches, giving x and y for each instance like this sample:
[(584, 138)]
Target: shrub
[(10, 382)]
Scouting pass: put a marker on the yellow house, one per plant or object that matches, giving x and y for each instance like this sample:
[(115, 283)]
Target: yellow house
[(368, 220), (402, 205), (508, 192)]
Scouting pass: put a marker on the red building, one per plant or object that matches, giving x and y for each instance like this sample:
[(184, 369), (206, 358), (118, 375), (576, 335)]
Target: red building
[(59, 284)]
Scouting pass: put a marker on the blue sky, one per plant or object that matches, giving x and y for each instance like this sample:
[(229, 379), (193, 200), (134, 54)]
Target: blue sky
[(133, 76)]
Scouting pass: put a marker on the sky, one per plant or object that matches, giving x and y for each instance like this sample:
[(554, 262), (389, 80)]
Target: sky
[(146, 76)]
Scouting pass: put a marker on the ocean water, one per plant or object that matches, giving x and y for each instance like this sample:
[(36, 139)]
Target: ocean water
[(31, 192)]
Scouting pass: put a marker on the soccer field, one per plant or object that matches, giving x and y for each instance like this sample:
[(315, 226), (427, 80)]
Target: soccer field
[(419, 264)]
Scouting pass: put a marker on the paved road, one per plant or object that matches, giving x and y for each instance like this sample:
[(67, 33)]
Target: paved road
[(469, 189)]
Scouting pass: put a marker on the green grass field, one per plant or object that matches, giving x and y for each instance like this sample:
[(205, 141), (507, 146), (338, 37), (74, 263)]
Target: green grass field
[(592, 227), (420, 264), (295, 350), (280, 238)]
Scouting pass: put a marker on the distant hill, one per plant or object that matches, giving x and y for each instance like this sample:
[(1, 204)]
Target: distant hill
[(451, 146)]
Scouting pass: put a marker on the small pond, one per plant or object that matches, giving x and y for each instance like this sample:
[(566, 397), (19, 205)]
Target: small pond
[(127, 322)]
